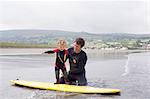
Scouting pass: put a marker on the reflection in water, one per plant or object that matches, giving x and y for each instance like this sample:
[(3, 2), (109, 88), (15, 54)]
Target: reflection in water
[(38, 94), (105, 56), (41, 94)]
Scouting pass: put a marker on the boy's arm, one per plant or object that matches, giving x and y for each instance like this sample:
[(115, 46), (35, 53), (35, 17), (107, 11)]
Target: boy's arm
[(51, 51), (66, 55)]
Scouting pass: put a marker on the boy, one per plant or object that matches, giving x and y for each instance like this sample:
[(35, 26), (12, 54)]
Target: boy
[(61, 58)]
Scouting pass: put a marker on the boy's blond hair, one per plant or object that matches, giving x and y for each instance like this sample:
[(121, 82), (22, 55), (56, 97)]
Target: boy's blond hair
[(62, 42)]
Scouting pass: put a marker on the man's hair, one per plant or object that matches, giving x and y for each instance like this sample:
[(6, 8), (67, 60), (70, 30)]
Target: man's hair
[(80, 41)]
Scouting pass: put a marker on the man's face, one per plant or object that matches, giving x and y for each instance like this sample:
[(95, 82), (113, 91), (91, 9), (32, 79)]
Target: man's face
[(77, 48)]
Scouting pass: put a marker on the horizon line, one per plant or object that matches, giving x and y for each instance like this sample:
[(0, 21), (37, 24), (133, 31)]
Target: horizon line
[(75, 31)]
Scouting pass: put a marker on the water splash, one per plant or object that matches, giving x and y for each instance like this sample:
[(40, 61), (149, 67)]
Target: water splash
[(126, 67)]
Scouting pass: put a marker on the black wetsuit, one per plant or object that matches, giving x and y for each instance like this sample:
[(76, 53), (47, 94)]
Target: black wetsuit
[(77, 73), (60, 62)]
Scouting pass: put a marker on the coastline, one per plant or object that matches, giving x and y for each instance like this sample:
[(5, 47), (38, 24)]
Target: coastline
[(14, 51)]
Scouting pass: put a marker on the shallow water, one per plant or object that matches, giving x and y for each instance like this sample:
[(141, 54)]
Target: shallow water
[(130, 73)]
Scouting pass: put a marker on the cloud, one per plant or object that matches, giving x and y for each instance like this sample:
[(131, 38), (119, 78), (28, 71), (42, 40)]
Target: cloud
[(90, 16)]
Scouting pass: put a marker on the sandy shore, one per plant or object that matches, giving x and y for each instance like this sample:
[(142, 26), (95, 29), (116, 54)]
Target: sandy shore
[(14, 51)]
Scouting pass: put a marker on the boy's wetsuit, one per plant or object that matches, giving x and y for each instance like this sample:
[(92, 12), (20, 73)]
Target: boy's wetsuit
[(61, 57)]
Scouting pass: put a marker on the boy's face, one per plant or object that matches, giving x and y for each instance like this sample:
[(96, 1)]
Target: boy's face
[(62, 45)]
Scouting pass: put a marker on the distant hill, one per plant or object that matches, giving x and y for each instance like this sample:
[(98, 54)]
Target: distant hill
[(46, 36)]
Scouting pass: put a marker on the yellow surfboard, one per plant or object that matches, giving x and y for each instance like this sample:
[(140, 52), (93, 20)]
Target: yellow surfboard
[(65, 87)]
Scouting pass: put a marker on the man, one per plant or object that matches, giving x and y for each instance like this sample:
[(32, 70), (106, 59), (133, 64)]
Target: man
[(77, 61)]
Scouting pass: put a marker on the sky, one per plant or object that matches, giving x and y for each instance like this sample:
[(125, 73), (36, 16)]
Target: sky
[(94, 16)]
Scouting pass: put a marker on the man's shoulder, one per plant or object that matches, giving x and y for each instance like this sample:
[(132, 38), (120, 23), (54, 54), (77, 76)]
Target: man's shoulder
[(83, 55), (83, 52), (70, 49)]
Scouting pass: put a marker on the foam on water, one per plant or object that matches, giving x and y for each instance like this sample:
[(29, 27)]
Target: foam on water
[(126, 66)]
